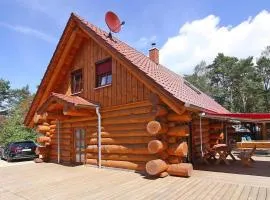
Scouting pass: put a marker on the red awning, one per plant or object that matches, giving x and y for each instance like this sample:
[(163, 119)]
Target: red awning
[(252, 117)]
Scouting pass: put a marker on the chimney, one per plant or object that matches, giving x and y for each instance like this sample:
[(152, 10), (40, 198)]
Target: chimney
[(154, 55)]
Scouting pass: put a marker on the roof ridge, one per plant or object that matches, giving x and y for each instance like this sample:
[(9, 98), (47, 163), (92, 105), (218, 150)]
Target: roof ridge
[(183, 92)]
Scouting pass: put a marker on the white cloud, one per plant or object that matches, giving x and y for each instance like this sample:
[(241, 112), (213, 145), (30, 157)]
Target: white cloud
[(203, 39), (30, 31)]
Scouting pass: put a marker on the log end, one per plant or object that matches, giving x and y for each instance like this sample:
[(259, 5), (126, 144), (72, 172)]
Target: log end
[(155, 167), (155, 146), (163, 174), (182, 169), (153, 127)]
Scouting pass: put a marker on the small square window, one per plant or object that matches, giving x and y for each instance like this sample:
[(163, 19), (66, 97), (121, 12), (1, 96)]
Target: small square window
[(104, 73), (76, 81)]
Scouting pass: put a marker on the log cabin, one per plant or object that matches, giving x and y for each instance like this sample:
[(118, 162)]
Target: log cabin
[(101, 102)]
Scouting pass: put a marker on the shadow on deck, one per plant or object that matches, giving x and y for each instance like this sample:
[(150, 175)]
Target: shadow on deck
[(261, 166)]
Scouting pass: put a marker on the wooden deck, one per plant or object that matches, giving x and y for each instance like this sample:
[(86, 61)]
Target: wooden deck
[(52, 181)]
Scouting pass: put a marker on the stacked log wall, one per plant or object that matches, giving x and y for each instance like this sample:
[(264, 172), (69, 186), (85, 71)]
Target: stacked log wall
[(197, 140), (216, 132), (124, 137), (66, 144), (132, 136)]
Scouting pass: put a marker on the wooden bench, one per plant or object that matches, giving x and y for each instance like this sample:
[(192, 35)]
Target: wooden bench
[(208, 154), (246, 156)]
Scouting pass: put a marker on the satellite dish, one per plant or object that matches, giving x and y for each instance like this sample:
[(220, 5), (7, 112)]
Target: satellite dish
[(113, 22)]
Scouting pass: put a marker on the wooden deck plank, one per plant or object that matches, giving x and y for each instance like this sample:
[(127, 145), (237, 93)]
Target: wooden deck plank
[(220, 193), (211, 195), (119, 190), (261, 193), (230, 192), (205, 193), (245, 192), (156, 190), (81, 182), (182, 184), (237, 192), (137, 193), (95, 186), (189, 191), (253, 193), (198, 192), (268, 194)]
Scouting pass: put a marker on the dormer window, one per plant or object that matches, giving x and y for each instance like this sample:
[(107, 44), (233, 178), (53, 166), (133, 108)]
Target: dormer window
[(104, 72), (76, 81)]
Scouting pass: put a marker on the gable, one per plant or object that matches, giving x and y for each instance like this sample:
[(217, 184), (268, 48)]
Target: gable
[(125, 88), (137, 69)]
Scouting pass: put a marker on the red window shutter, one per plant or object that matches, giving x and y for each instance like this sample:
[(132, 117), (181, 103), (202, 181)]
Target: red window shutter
[(104, 67)]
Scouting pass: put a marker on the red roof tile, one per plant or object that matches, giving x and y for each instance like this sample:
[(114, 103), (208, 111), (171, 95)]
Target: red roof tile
[(167, 79), (75, 100)]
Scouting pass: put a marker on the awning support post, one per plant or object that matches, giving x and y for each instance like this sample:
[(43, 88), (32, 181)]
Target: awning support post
[(201, 136)]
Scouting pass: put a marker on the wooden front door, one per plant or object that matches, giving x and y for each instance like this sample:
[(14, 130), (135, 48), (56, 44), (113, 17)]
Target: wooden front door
[(79, 144)]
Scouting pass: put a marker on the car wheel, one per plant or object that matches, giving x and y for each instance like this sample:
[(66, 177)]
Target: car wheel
[(9, 159)]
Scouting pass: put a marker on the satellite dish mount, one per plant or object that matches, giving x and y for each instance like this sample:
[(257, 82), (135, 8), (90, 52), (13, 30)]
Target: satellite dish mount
[(113, 23)]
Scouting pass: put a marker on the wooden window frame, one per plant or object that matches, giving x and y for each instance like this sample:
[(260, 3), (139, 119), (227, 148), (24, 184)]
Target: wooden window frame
[(74, 73), (107, 75)]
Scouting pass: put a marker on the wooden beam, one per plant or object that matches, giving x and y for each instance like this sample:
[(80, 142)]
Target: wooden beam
[(44, 92), (55, 115), (264, 131), (71, 111)]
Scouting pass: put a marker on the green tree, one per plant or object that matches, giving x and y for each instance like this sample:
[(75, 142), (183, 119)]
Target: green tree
[(17, 101), (235, 83), (263, 71), (13, 128), (246, 87), (220, 79), (4, 93), (199, 78)]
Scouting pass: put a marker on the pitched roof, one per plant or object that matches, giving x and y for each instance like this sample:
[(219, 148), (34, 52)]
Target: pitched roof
[(75, 101), (175, 84), (170, 82)]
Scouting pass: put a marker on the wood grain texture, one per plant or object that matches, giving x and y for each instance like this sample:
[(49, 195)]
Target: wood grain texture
[(124, 89)]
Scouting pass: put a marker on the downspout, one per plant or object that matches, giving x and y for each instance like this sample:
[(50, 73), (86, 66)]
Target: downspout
[(58, 141), (190, 159), (99, 136), (201, 136)]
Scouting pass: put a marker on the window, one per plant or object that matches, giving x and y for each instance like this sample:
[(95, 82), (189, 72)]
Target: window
[(76, 81), (104, 72)]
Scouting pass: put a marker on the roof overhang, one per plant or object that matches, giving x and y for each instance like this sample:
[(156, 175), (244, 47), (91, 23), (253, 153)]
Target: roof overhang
[(60, 107), (242, 117)]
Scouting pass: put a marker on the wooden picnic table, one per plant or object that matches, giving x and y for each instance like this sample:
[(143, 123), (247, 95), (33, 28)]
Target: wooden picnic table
[(264, 144), (223, 150)]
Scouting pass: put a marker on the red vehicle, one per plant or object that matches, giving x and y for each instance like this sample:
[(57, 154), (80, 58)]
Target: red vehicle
[(18, 150)]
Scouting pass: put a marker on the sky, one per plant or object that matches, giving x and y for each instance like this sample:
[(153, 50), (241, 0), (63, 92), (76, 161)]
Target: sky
[(186, 32)]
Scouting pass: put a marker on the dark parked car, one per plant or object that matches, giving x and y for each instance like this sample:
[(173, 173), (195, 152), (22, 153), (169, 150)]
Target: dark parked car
[(18, 150)]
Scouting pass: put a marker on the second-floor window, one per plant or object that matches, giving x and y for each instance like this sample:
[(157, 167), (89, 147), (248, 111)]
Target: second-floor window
[(104, 73), (76, 81)]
